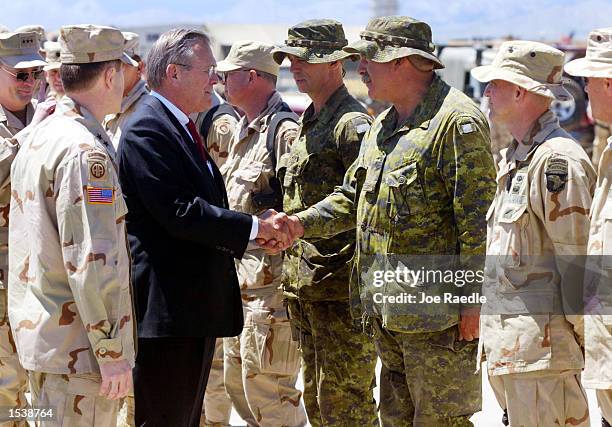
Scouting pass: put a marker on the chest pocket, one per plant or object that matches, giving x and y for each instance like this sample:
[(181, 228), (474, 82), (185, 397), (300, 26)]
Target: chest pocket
[(513, 223), (291, 167), (405, 191)]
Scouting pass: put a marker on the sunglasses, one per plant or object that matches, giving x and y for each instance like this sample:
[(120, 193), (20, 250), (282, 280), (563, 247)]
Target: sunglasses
[(23, 76)]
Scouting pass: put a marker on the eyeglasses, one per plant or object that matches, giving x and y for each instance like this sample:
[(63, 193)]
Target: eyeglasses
[(223, 75), (23, 76), (212, 70)]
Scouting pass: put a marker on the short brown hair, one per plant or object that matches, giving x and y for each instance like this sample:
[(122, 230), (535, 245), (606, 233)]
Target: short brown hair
[(77, 77)]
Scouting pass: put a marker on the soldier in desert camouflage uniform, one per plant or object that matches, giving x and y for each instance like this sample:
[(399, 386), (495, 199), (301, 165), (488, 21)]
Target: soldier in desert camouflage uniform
[(133, 92), (70, 301), (420, 186), (52, 57), (18, 115), (597, 68), (539, 216), (263, 363), (339, 360)]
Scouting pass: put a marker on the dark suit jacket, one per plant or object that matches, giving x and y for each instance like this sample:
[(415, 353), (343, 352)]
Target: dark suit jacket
[(182, 236)]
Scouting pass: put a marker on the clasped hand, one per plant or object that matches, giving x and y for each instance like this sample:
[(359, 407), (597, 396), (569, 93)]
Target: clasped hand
[(278, 231)]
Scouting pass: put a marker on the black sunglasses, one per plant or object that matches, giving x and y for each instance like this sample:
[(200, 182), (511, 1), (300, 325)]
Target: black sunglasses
[(23, 76)]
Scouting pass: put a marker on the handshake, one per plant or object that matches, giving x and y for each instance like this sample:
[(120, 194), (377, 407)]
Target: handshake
[(278, 231)]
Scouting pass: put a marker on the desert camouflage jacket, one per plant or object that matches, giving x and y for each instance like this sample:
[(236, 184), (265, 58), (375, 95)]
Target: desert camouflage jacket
[(247, 172), (70, 302), (114, 123), (598, 319), (537, 233)]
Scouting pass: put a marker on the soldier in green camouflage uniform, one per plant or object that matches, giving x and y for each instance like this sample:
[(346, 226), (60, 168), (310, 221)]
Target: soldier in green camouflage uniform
[(421, 185), (339, 360)]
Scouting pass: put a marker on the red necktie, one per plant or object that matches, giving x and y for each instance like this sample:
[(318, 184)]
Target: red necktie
[(197, 139)]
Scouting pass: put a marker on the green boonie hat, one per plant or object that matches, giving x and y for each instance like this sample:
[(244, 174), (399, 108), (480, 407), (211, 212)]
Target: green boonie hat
[(393, 37), (84, 44), (315, 41), (598, 59), (20, 50), (534, 66), (52, 55)]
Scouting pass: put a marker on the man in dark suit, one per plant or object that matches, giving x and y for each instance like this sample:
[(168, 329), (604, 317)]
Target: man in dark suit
[(182, 236)]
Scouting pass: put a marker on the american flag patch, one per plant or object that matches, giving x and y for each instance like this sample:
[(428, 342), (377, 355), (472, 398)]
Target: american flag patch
[(100, 196)]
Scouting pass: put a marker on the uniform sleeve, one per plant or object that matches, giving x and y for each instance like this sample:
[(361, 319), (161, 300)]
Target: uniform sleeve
[(87, 197), (220, 137), (466, 166), (561, 196), (349, 134), (336, 213)]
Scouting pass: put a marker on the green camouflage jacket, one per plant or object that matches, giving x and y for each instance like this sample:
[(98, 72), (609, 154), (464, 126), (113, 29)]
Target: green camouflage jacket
[(418, 189), (326, 145)]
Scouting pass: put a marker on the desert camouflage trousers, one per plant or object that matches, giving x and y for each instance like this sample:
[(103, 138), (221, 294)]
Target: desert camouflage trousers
[(604, 400), (74, 399), (339, 363), (13, 378), (542, 398), (427, 379), (263, 363), (217, 407)]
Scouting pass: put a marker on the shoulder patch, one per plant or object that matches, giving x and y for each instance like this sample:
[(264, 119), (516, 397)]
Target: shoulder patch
[(556, 174), (96, 164), (466, 127)]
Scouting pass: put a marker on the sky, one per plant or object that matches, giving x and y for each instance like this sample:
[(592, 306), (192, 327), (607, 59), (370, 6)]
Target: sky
[(449, 19)]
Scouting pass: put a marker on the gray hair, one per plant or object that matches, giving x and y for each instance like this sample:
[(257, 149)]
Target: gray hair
[(172, 47)]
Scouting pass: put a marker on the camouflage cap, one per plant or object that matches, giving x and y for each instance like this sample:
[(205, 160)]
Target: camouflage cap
[(52, 55), (534, 66), (38, 29), (20, 50), (251, 55), (132, 42), (315, 41), (598, 59), (84, 44), (392, 37)]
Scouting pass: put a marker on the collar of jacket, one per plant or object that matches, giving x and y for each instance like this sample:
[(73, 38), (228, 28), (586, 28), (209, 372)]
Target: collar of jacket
[(329, 109)]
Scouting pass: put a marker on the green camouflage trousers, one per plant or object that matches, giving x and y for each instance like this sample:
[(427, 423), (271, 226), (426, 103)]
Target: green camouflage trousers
[(13, 378), (427, 379), (74, 398), (339, 364)]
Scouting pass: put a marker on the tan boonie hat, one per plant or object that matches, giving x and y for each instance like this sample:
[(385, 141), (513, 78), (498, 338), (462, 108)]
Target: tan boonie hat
[(534, 66), (84, 44), (393, 37), (20, 50), (315, 41), (52, 55), (249, 54), (132, 41), (598, 59)]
